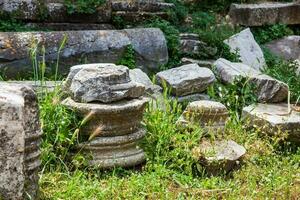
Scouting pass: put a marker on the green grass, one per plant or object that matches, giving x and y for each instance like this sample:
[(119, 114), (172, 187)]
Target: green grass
[(269, 170)]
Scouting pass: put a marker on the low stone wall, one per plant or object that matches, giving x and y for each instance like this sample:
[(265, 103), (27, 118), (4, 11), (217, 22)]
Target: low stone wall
[(55, 11), (265, 14), (82, 46)]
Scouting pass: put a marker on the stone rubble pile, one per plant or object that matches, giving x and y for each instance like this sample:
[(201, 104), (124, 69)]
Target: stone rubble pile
[(113, 107), (186, 82), (20, 140)]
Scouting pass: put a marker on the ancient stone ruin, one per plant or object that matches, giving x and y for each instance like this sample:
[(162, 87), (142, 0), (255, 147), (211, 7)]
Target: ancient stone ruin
[(54, 15), (20, 138), (265, 13), (113, 106), (220, 156), (187, 82), (209, 115), (275, 118), (149, 45)]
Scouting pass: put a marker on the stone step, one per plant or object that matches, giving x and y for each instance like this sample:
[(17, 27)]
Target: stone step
[(265, 14)]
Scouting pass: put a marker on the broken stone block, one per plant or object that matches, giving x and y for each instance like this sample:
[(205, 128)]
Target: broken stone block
[(287, 48), (245, 46), (187, 79), (268, 89), (20, 139), (210, 115), (201, 63), (104, 83), (191, 98), (116, 128), (112, 106), (267, 13), (219, 156), (274, 118), (106, 46), (141, 77), (190, 45)]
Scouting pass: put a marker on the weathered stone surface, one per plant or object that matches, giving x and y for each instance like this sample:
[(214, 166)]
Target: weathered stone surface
[(248, 50), (104, 83), (265, 13), (274, 118), (190, 45), (219, 156), (287, 48), (121, 151), (52, 11), (141, 5), (187, 79), (191, 98), (268, 89), (116, 128), (201, 63), (105, 46), (39, 86), (70, 26), (141, 77), (116, 119), (210, 115), (20, 139)]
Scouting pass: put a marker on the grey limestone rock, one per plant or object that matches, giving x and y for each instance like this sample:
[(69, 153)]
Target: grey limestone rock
[(268, 89), (103, 83), (210, 115), (20, 138), (187, 79), (220, 156), (267, 13), (247, 49), (274, 118)]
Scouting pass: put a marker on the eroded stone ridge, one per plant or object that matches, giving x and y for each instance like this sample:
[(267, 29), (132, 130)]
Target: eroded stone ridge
[(268, 89), (187, 79), (20, 139), (265, 13), (274, 119), (105, 46)]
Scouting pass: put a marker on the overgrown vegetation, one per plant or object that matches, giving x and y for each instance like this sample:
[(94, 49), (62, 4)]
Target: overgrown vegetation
[(128, 58), (270, 169), (83, 6)]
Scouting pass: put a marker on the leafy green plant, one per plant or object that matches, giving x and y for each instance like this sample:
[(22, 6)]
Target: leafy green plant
[(128, 58), (178, 13), (203, 20), (214, 36), (165, 144), (235, 96), (83, 6), (7, 25), (268, 33), (60, 132)]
